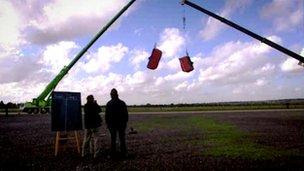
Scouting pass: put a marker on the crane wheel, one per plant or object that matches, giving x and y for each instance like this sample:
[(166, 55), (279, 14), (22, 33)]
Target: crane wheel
[(35, 111), (29, 111), (43, 110)]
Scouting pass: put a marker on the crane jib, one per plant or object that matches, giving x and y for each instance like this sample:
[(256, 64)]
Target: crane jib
[(52, 85), (248, 32)]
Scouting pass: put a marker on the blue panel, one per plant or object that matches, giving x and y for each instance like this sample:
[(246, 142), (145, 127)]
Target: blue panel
[(66, 111)]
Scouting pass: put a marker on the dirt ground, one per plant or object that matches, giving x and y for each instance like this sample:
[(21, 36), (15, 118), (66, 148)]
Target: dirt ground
[(27, 143)]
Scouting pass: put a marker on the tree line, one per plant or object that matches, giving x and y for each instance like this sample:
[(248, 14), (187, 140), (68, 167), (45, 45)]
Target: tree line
[(243, 103), (9, 105)]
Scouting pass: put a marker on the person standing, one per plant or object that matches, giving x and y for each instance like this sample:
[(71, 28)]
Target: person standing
[(92, 122), (116, 116), (6, 110)]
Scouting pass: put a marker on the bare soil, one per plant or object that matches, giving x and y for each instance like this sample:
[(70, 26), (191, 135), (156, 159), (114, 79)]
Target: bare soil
[(27, 143)]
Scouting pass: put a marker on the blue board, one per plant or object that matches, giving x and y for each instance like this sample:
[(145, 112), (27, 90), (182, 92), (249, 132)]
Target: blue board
[(66, 111)]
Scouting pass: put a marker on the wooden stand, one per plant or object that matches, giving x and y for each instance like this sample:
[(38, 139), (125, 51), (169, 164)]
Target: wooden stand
[(58, 138)]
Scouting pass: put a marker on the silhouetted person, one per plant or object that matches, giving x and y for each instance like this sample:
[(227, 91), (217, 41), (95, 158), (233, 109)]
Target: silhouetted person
[(92, 122), (2, 105), (116, 116), (287, 105), (6, 109)]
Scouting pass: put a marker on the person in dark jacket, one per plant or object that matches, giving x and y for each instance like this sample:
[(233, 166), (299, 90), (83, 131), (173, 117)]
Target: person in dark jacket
[(6, 109), (116, 116), (92, 122)]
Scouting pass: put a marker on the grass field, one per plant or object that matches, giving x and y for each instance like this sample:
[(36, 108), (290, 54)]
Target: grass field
[(206, 107), (244, 140), (212, 108), (219, 139)]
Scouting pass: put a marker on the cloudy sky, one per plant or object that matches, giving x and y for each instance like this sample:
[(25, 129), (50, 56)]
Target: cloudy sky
[(39, 37)]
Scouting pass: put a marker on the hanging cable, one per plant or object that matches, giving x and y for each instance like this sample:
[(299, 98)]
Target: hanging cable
[(184, 19), (185, 29), (185, 61)]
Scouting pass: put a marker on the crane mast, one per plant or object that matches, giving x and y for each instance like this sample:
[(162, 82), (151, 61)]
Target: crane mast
[(41, 103)]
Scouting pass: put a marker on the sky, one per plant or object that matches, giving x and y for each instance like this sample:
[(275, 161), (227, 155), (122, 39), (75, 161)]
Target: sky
[(39, 37)]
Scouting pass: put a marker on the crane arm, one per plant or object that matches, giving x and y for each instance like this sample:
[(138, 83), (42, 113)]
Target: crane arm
[(52, 85), (246, 31)]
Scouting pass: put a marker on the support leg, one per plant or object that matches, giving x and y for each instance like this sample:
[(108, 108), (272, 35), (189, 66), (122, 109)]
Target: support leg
[(77, 141), (57, 142)]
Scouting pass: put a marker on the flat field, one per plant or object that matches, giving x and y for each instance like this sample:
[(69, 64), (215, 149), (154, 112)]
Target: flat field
[(231, 140)]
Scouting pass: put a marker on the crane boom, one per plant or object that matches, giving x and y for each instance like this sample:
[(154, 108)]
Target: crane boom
[(246, 31), (41, 101)]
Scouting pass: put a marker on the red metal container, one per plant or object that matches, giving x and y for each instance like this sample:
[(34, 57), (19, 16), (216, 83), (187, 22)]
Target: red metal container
[(154, 59), (186, 64)]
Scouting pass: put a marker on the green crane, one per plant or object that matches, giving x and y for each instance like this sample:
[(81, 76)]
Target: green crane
[(42, 102)]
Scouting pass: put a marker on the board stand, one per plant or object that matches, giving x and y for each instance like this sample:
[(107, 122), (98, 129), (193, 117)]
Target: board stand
[(59, 138)]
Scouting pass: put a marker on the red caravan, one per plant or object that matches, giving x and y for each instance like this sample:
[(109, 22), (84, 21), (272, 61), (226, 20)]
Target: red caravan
[(186, 64), (154, 58)]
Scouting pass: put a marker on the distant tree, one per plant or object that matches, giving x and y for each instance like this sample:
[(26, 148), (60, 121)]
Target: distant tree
[(2, 105), (11, 105), (148, 104), (287, 105)]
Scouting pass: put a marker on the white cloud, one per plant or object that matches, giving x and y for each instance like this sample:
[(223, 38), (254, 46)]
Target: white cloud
[(159, 81), (261, 82), (236, 91), (285, 15), (291, 65), (59, 19), (138, 57), (105, 56), (138, 77), (245, 72), (140, 87), (241, 62), (179, 76), (198, 61), (56, 56), (181, 86), (20, 91), (99, 85), (10, 24), (10, 30), (20, 68), (275, 39), (7, 51), (174, 64), (266, 69), (213, 27), (171, 41)]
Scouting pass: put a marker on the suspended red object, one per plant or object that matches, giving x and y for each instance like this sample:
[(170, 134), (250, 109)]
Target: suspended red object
[(154, 58), (186, 64)]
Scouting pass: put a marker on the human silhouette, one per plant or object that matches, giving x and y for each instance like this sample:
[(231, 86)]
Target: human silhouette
[(6, 110), (116, 116), (92, 122)]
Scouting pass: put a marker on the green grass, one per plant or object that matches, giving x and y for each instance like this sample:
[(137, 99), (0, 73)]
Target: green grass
[(174, 108), (218, 139), (225, 139), (162, 122), (211, 108)]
